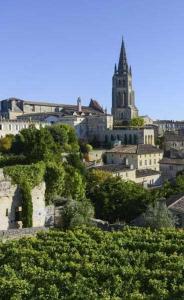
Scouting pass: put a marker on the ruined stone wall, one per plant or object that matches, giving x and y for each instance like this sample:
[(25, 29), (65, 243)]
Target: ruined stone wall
[(10, 200)]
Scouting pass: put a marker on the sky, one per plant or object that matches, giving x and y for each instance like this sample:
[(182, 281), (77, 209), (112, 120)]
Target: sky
[(57, 50)]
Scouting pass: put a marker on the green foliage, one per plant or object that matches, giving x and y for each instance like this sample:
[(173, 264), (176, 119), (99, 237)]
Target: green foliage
[(45, 143), (54, 178), (11, 160), (75, 161), (27, 206), (27, 177), (137, 122), (87, 263), (170, 188), (77, 213), (74, 184), (33, 174), (160, 142), (36, 145), (115, 199), (64, 136), (158, 216), (84, 147), (6, 143)]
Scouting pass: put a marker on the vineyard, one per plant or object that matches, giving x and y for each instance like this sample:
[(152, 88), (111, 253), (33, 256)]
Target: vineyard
[(87, 263)]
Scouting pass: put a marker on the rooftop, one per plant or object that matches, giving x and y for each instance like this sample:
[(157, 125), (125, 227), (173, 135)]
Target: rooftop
[(176, 203), (113, 168), (146, 172), (172, 161), (135, 149)]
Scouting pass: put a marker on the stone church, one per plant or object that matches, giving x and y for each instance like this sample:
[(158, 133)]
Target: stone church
[(123, 97)]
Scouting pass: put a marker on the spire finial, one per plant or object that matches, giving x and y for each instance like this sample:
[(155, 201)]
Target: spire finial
[(115, 69), (130, 70), (123, 65)]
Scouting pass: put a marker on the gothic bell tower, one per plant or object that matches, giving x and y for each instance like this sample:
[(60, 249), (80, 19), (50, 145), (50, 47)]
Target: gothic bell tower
[(123, 98)]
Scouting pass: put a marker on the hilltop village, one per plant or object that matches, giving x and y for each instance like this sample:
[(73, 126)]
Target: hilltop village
[(116, 165)]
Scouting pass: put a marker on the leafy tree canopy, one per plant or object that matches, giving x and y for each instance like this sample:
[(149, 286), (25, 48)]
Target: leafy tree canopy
[(138, 122), (158, 216), (115, 199)]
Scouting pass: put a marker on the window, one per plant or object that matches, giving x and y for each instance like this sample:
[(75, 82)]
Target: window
[(150, 162), (9, 126), (0, 126), (145, 162), (155, 161), (140, 163), (7, 212)]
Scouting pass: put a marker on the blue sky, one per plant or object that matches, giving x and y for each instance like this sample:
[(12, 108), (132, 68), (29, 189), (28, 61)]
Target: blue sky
[(57, 50)]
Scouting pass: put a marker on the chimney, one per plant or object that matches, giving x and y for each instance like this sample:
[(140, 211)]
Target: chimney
[(79, 106)]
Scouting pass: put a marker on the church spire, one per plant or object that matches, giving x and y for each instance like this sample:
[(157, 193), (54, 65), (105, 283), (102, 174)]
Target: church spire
[(123, 65), (115, 69), (130, 70)]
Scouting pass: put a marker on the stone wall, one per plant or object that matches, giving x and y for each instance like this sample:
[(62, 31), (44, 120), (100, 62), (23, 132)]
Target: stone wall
[(20, 233), (10, 202)]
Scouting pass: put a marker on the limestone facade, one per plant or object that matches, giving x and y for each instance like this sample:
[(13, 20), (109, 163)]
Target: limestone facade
[(137, 156), (128, 135), (14, 127)]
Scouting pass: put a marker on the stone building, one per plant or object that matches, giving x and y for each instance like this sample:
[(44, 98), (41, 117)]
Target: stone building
[(146, 177), (174, 140), (13, 107), (128, 135), (89, 122), (123, 97), (168, 125), (11, 205), (169, 167), (136, 156), (15, 126)]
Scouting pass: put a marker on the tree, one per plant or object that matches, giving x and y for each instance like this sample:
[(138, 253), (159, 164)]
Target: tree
[(77, 213), (74, 186), (59, 134), (75, 161), (54, 178), (36, 145), (160, 142), (6, 143), (137, 122), (115, 199), (158, 216)]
